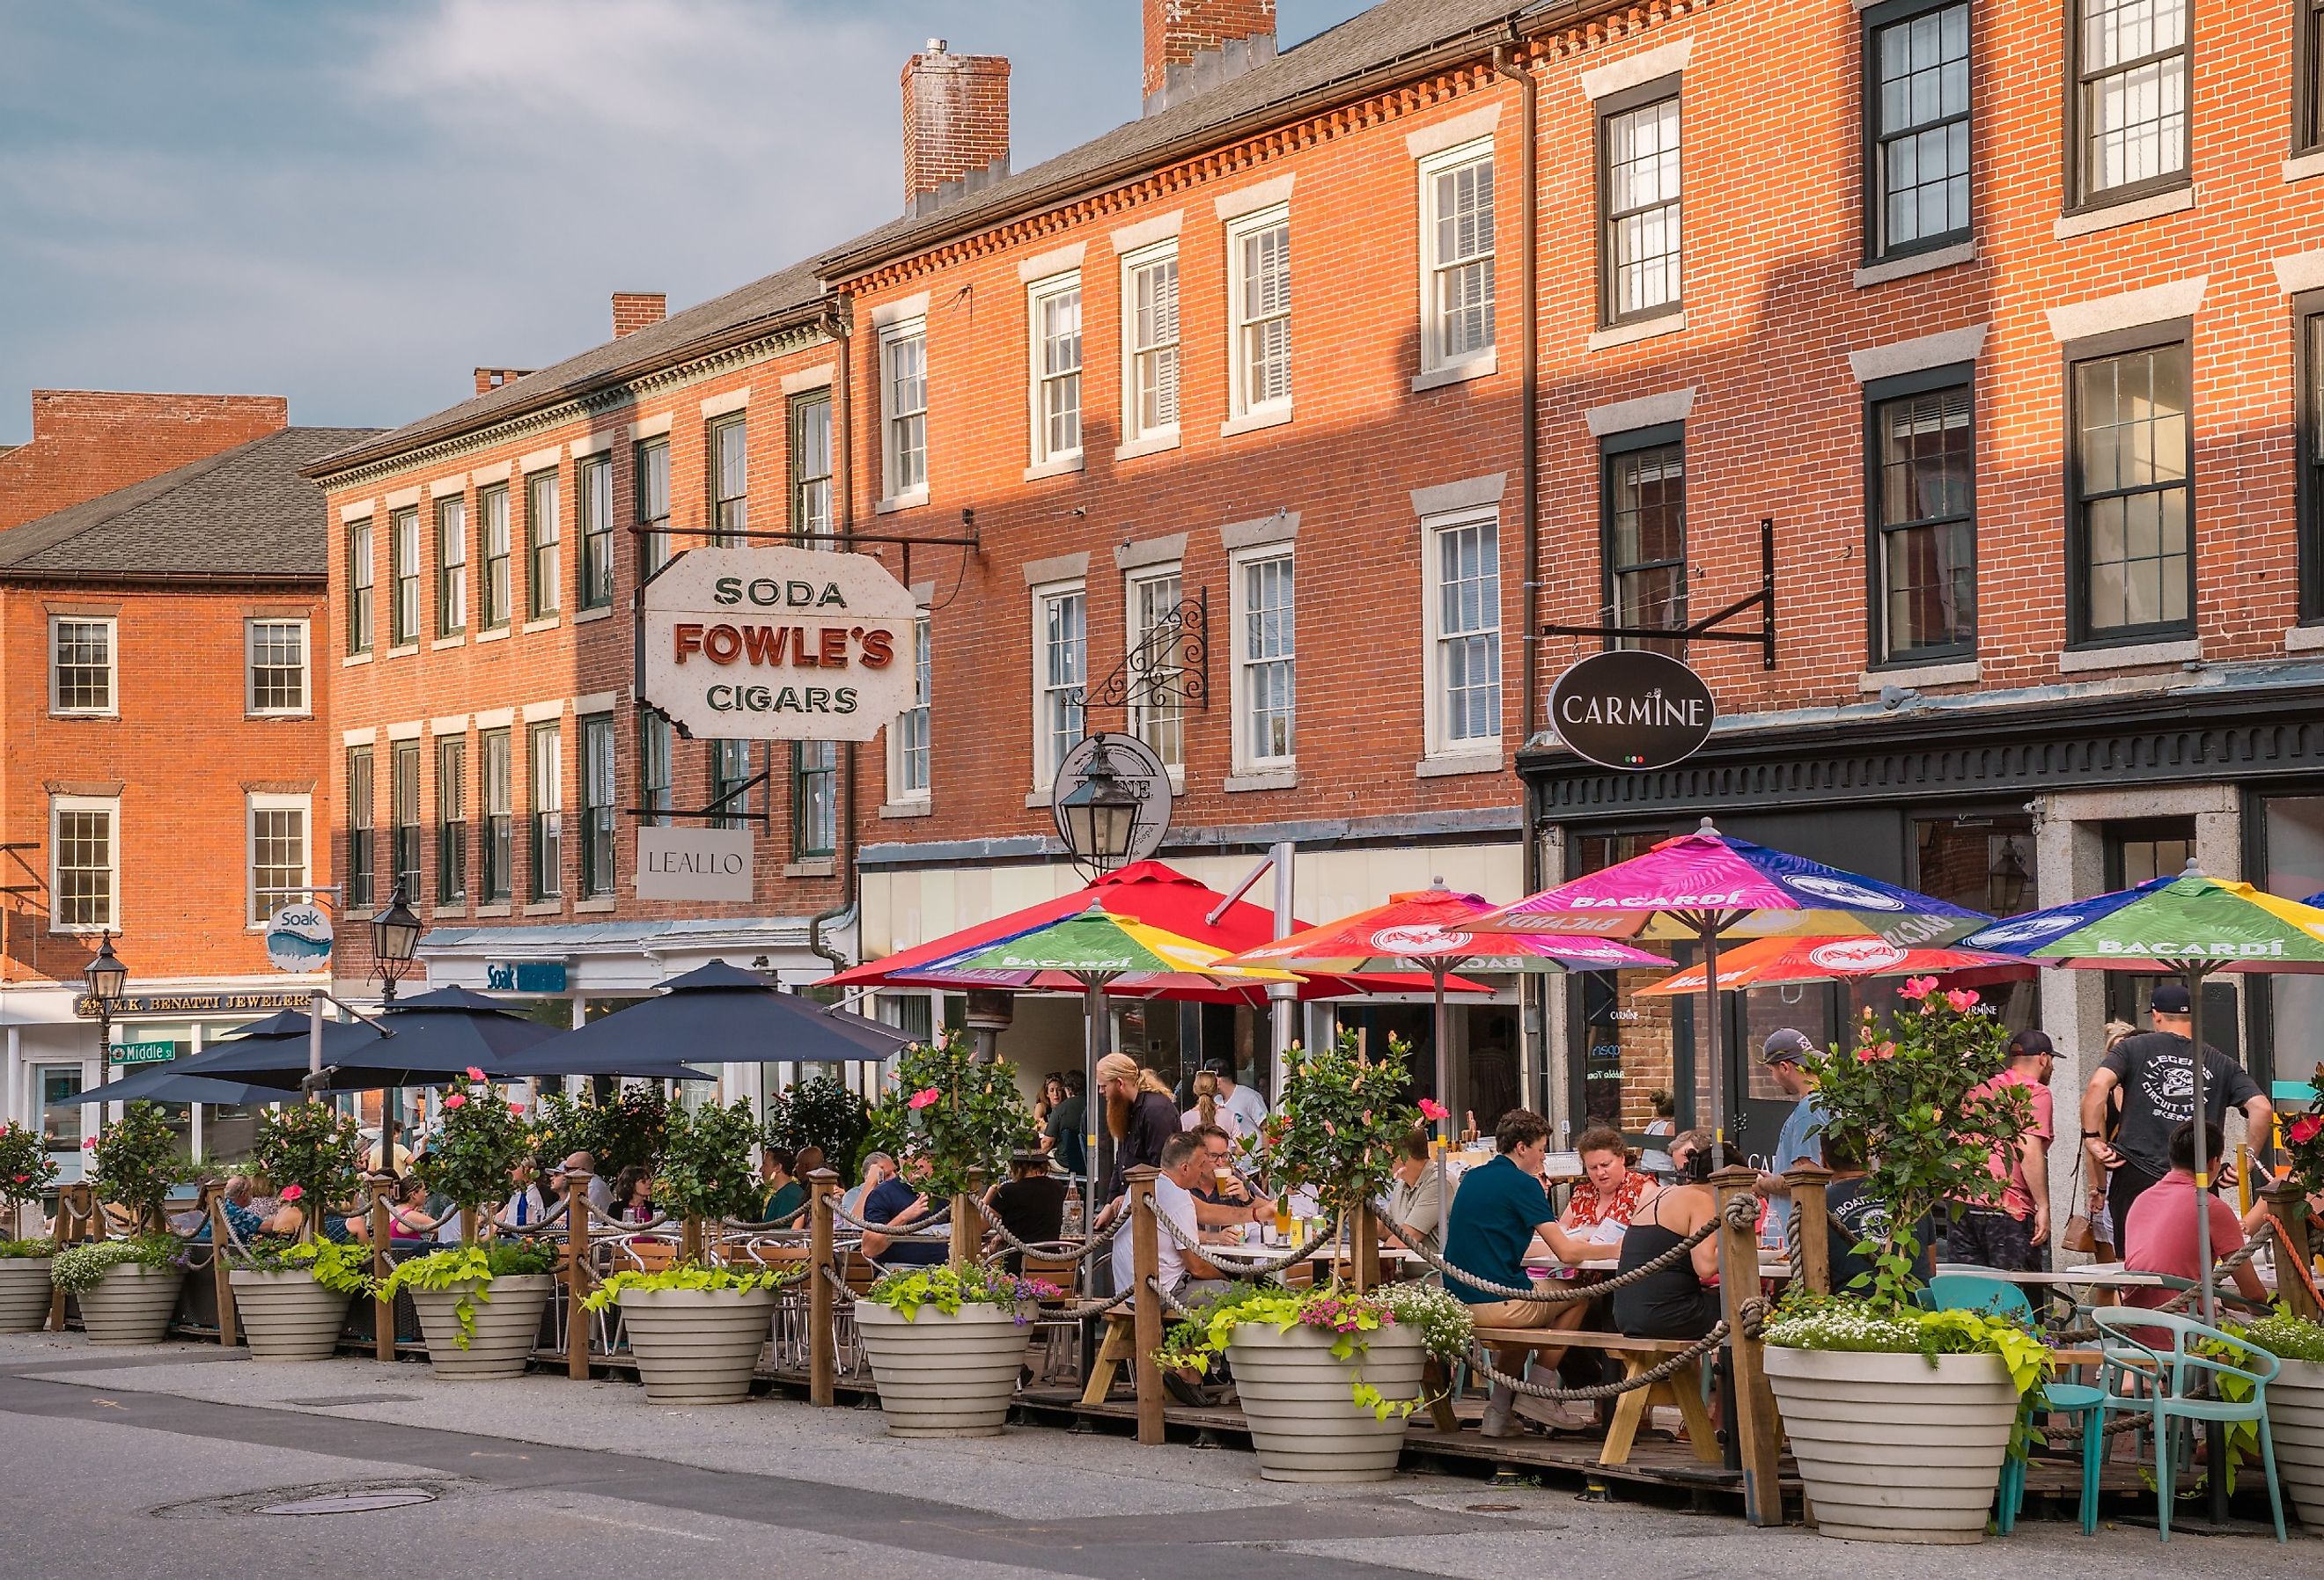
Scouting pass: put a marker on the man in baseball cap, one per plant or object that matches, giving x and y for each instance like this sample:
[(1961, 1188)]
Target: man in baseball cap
[(2154, 1072), (2013, 1233), (1800, 1141)]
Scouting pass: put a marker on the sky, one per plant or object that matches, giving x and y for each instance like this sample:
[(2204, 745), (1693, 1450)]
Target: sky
[(355, 203)]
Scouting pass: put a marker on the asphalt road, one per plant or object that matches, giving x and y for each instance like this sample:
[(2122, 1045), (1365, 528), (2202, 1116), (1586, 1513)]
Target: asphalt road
[(177, 1462)]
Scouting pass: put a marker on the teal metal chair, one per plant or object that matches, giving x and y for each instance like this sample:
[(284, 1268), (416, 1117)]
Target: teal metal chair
[(2140, 1379), (1982, 1292)]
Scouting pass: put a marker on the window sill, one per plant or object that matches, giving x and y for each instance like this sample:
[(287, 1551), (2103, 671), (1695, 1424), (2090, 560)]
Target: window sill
[(914, 808), (1055, 466), (548, 623), (545, 908), (819, 867), (1913, 263), (443, 643), (1643, 330), (84, 932), (405, 651), (1451, 765), (1252, 421), (498, 634), (1261, 779), (2302, 639), (603, 903), (2300, 167), (1148, 444), (447, 913), (486, 911), (280, 713), (602, 612), (907, 500), (1038, 798), (1966, 672), (352, 659), (84, 713), (1460, 372), (2116, 215), (2077, 661)]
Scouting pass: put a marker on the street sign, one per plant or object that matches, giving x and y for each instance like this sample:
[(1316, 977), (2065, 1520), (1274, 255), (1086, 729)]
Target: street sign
[(298, 937), (777, 644), (1632, 710), (693, 863), (160, 1052)]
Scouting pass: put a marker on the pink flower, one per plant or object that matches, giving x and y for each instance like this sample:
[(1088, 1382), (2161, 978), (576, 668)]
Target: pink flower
[(1917, 987), (2306, 1128), (293, 1192), (1430, 1108), (517, 1109), (455, 1101), (89, 1145), (1963, 999), (1328, 1129), (23, 1180), (473, 1074), (922, 1099)]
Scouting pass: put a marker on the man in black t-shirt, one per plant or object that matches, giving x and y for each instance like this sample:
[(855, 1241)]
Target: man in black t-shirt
[(1030, 1204), (2155, 1072)]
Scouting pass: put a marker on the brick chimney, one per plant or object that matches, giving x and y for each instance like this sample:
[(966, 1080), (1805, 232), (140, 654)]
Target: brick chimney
[(89, 443), (489, 379), (638, 309), (1193, 45), (956, 125)]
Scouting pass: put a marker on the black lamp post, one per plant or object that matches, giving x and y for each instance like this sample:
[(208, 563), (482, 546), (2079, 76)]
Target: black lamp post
[(394, 940), (1101, 813), (108, 981)]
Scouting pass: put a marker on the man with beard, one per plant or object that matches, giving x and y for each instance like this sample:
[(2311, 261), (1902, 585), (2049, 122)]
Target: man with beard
[(1141, 1115), (2155, 1073)]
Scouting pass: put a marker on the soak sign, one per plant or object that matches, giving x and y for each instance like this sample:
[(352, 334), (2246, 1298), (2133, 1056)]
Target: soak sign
[(777, 644)]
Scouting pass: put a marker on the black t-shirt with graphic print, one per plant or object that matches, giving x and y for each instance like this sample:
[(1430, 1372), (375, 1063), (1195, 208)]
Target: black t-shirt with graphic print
[(2157, 1072)]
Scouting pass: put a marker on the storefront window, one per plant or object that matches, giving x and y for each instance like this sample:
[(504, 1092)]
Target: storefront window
[(2138, 853), (1627, 1044), (1983, 860), (2293, 831), (61, 1122)]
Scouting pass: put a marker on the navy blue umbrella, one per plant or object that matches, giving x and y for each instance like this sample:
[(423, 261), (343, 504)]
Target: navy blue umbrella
[(714, 1012), (170, 1084)]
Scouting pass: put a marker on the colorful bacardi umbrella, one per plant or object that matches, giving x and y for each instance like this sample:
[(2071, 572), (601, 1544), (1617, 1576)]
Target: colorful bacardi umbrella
[(1096, 943), (1429, 929), (1704, 886), (1777, 962)]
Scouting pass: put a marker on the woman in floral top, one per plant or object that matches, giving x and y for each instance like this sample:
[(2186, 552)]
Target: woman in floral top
[(1602, 1206)]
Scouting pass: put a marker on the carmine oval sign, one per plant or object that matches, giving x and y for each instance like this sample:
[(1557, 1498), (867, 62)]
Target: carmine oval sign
[(1631, 710)]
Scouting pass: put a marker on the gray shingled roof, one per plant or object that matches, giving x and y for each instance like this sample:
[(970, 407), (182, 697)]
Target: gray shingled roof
[(249, 510)]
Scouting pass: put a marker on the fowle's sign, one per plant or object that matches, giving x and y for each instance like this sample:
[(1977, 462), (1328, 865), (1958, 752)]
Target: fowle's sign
[(777, 644), (1631, 710), (693, 863)]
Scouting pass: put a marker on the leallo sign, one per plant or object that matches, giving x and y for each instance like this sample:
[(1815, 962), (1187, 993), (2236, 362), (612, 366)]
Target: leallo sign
[(1631, 710), (693, 863), (777, 644)]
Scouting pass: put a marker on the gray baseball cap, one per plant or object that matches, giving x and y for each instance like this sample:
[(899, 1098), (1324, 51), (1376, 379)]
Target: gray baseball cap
[(1785, 1046)]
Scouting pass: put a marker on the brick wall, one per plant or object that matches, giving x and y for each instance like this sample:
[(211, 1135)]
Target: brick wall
[(955, 118), (87, 443), (1177, 31), (638, 309)]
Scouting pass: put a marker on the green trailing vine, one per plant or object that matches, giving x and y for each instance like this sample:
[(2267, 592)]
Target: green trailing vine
[(962, 1118), (684, 1275), (133, 1162), (343, 1269), (1351, 1319), (907, 1292), (470, 1269), (78, 1269), (705, 1164)]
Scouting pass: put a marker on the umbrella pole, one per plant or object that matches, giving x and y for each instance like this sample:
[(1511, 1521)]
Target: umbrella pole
[(1444, 1025), (2208, 1298), (1094, 1048), (1713, 1038)]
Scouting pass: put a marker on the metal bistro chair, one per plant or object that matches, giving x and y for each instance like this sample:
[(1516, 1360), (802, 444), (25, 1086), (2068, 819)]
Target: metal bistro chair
[(2140, 1379), (1982, 1292)]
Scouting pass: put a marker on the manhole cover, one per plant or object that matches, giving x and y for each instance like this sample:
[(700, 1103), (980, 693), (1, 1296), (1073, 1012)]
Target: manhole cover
[(353, 1502), (316, 1498), (327, 1401)]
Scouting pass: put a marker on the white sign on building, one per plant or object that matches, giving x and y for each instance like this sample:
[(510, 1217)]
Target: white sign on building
[(693, 863), (777, 644)]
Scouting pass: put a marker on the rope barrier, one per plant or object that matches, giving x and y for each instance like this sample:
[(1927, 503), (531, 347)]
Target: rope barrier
[(1225, 1259), (1048, 1249), (1691, 1355), (1577, 1291), (936, 1228)]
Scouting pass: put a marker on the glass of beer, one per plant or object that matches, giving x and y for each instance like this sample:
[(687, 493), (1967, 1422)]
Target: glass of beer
[(1283, 1216)]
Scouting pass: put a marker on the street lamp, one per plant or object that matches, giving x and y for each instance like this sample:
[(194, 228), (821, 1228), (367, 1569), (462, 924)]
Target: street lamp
[(108, 980), (394, 940), (1100, 814)]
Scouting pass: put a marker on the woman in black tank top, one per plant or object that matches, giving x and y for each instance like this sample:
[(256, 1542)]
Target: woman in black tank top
[(1675, 1302)]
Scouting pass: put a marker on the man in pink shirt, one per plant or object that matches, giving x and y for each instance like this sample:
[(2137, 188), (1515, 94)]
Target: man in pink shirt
[(2160, 1237), (2013, 1236)]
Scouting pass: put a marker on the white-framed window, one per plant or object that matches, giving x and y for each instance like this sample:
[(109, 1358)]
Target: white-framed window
[(1157, 708), (1060, 672), (84, 863), (278, 666), (1150, 343), (904, 412), (1053, 316), (403, 588), (1258, 313), (451, 565), (907, 742), (1266, 659), (1462, 570), (1642, 261), (276, 853), (84, 664), (1456, 256)]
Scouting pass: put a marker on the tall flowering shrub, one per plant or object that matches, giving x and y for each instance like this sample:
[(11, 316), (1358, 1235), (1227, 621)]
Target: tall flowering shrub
[(311, 1151), (962, 1117), (133, 1162), (1342, 1118), (481, 1139), (2303, 1139), (26, 1169)]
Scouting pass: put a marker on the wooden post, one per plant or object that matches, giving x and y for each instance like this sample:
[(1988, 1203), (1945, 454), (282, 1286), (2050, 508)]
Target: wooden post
[(577, 1274), (1810, 1230), (967, 1228), (1363, 1247), (1146, 1262), (822, 1305), (2293, 1255), (215, 1199), (382, 1309), (1751, 1411)]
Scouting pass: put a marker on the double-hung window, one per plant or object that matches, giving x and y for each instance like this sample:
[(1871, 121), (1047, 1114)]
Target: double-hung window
[(904, 412), (811, 463), (545, 745), (1640, 262), (85, 863), (1149, 332), (1923, 550), (1462, 566), (277, 853), (1643, 509), (1266, 660), (360, 569), (2308, 365), (815, 799), (362, 852), (543, 539), (730, 783), (596, 806), (1917, 67), (278, 666), (493, 504), (404, 578), (2131, 559), (653, 500), (452, 820), (500, 820), (1060, 672), (1258, 314), (728, 443), (451, 565), (2129, 105), (1158, 636), (654, 763), (403, 819), (1456, 257), (1054, 317), (592, 490), (2308, 89), (907, 738), (81, 665)]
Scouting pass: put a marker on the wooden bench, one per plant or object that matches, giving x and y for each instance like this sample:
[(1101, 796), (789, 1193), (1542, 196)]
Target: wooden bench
[(1120, 1345), (1638, 1356)]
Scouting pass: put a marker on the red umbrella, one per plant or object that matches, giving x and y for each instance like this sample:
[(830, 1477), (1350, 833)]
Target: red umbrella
[(1780, 961)]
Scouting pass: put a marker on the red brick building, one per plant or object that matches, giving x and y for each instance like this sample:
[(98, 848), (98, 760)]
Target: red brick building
[(88, 442)]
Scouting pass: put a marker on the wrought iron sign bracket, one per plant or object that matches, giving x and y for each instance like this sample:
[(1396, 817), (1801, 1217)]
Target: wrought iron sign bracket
[(1171, 663), (714, 810), (1707, 629)]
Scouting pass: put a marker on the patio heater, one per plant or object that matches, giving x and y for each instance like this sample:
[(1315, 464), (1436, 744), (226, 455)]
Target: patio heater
[(394, 940), (108, 982)]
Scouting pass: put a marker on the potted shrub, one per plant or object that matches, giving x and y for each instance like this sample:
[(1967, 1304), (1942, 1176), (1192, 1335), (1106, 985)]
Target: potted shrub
[(26, 1171), (294, 1301), (129, 1298), (479, 1303), (1900, 1419), (2295, 1409), (824, 1113)]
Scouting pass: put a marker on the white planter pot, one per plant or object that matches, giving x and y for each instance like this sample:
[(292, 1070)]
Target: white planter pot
[(130, 1304), (1891, 1449), (2295, 1414), (1295, 1398), (287, 1316), (944, 1376), (697, 1346), (507, 1322), (24, 1293)]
